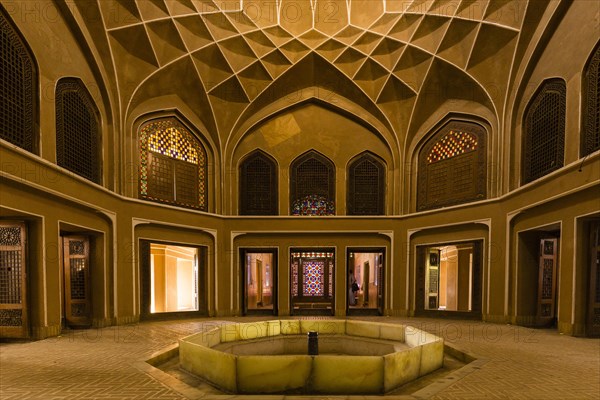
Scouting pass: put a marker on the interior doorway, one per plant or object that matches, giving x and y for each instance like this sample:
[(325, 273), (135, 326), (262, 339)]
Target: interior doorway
[(259, 281), (593, 308), (365, 283), (13, 283), (449, 279), (537, 275), (173, 280), (312, 281), (76, 271)]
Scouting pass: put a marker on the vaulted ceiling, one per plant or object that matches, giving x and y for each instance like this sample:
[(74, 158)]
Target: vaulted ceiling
[(229, 59)]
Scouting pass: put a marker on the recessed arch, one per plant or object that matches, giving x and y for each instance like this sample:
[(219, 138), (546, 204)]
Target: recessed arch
[(590, 130), (78, 138), (19, 88), (452, 166), (173, 164), (366, 189), (544, 130), (312, 185), (258, 177)]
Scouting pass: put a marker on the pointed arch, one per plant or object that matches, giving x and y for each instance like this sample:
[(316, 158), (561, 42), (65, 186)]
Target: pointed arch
[(544, 131), (173, 164), (258, 184), (312, 185), (590, 132), (366, 185), (452, 166), (18, 88), (78, 141)]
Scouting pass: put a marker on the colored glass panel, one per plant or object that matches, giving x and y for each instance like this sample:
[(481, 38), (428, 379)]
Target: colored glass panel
[(313, 277), (452, 145)]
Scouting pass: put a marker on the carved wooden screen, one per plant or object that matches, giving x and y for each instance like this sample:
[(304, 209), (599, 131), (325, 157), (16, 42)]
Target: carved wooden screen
[(547, 280), (593, 314), (13, 287), (590, 140), (76, 269), (452, 166), (258, 185), (77, 130), (366, 186), (18, 88), (544, 131), (173, 165), (312, 185)]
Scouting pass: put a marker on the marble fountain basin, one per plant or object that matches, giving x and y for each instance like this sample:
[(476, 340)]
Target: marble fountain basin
[(355, 357)]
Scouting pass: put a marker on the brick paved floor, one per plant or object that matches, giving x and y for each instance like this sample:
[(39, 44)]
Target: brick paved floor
[(520, 363)]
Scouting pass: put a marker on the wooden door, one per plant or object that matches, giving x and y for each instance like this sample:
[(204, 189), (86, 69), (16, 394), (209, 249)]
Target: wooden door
[(380, 283), (13, 280), (593, 318), (76, 268), (547, 281)]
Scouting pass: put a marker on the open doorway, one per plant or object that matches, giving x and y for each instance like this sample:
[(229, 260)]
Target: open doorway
[(537, 276), (365, 284), (259, 281), (173, 281), (449, 279)]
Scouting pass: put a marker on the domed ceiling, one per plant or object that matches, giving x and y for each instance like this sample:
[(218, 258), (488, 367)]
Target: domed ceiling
[(229, 59)]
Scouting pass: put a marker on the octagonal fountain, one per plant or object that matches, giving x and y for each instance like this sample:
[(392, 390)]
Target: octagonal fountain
[(355, 357)]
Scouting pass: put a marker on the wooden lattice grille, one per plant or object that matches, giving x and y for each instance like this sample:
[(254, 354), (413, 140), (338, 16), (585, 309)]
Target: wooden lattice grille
[(544, 131), (77, 130), (18, 88), (258, 186), (12, 276), (590, 141), (173, 165), (366, 187), (312, 188), (452, 167)]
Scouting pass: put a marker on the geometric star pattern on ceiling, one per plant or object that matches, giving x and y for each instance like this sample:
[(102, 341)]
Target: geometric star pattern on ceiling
[(239, 47)]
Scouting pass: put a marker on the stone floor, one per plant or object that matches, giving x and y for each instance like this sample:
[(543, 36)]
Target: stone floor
[(515, 363)]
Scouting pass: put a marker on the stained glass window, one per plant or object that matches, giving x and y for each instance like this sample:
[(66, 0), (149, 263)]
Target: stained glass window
[(18, 88), (172, 165), (258, 185), (590, 141), (452, 166), (312, 276), (544, 131), (77, 130), (452, 145), (366, 186), (312, 185)]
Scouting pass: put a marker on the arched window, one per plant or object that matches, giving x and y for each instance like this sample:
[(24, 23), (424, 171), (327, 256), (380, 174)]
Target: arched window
[(258, 185), (172, 165), (312, 185), (366, 186), (544, 131), (77, 130), (18, 88), (590, 140), (452, 166)]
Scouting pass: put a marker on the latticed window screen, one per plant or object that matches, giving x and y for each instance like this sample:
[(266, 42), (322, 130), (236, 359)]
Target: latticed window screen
[(172, 165), (452, 166), (366, 187), (590, 140), (312, 187), (77, 130), (18, 88), (544, 131), (12, 272), (258, 185)]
